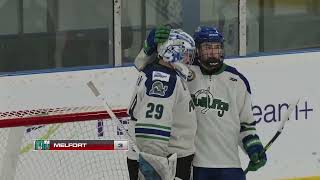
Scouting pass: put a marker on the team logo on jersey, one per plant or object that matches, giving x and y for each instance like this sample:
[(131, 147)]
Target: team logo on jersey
[(158, 88), (204, 99)]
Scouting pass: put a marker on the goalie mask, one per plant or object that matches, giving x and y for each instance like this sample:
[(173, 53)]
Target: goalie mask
[(210, 50), (179, 51)]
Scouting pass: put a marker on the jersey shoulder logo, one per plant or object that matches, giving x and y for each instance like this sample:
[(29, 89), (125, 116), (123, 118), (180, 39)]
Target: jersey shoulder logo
[(161, 76), (158, 88), (204, 99), (233, 79)]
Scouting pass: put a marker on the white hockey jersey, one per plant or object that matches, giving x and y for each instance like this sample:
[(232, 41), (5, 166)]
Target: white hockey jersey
[(224, 115), (164, 113)]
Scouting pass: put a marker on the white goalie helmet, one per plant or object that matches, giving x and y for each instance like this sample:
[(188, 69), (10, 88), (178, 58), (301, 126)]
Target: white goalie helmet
[(179, 51)]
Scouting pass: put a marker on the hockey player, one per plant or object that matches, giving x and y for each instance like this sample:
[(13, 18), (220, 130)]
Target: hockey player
[(221, 95), (162, 111)]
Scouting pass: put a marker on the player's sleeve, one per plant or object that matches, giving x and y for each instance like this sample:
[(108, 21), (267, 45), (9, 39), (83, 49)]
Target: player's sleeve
[(143, 59), (137, 96), (247, 121), (135, 101), (182, 92)]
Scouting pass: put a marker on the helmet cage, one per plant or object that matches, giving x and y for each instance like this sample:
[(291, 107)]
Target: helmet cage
[(179, 51)]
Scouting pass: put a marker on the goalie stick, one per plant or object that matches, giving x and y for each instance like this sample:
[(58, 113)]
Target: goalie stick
[(285, 118), (103, 100)]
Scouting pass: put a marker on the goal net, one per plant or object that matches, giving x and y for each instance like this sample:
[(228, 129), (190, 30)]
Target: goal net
[(19, 129)]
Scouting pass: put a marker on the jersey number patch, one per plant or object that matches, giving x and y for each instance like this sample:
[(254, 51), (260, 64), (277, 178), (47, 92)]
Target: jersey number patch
[(154, 111)]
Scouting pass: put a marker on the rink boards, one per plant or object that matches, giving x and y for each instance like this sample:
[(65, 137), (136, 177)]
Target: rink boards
[(275, 81)]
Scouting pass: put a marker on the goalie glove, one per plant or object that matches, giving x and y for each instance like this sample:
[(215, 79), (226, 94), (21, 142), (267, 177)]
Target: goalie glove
[(255, 151), (152, 167)]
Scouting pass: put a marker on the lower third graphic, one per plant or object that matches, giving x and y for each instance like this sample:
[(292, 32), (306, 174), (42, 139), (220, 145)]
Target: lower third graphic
[(56, 145)]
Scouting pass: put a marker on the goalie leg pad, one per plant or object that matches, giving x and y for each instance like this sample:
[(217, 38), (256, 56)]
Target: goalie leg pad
[(152, 167)]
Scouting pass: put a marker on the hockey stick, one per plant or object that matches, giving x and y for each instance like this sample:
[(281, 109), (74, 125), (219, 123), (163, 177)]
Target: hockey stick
[(103, 100), (285, 118)]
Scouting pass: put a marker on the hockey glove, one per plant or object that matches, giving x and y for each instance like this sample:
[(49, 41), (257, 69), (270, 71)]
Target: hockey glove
[(156, 36), (255, 151)]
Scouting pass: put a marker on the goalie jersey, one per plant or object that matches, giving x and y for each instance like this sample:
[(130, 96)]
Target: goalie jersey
[(223, 106), (162, 114)]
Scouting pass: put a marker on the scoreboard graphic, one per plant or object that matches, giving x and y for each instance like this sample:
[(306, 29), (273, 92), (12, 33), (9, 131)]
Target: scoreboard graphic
[(56, 145)]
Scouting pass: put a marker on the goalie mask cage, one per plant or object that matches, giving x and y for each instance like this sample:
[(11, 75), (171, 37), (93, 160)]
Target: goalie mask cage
[(19, 129)]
